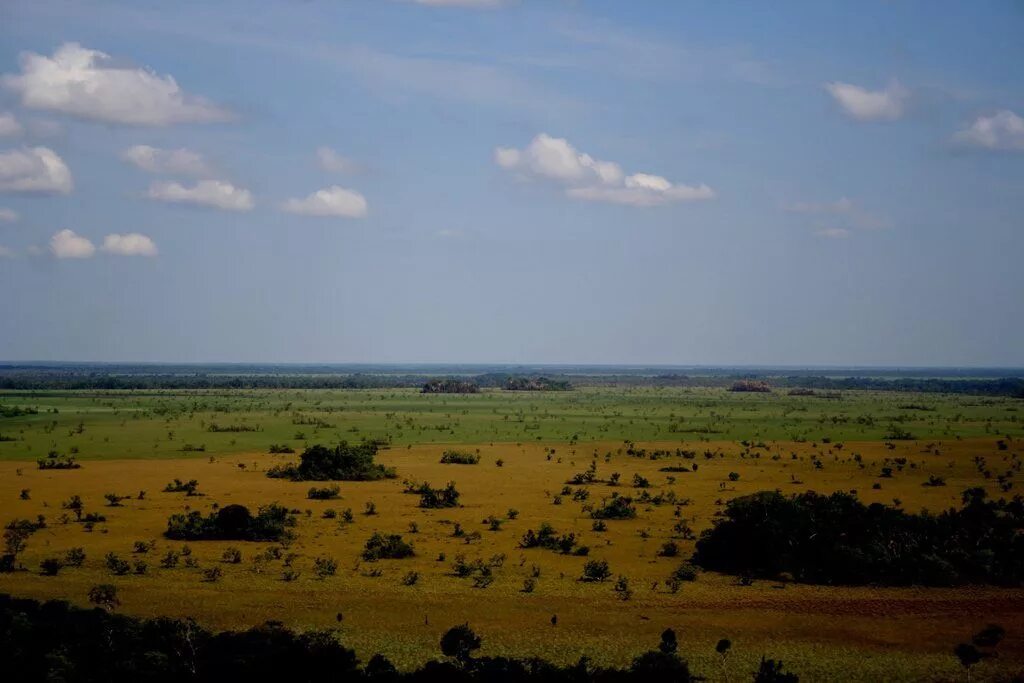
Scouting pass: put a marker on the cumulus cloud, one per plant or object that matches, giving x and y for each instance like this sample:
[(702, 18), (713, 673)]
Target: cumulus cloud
[(1003, 130), (587, 178), (9, 125), (870, 105), (88, 84), (330, 201), (130, 244), (333, 162), (217, 194), (167, 161), (67, 244), (8, 215), (34, 170)]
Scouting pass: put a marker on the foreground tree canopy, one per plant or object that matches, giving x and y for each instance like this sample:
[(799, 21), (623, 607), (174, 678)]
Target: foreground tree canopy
[(836, 539), (55, 641), (344, 462)]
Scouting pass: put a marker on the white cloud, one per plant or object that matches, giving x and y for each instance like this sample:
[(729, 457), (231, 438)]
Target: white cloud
[(9, 125), (130, 244), (168, 161), (66, 244), (1003, 130), (330, 201), (587, 178), (34, 170), (213, 193), (8, 215), (6, 253), (833, 233), (335, 163), (88, 84), (870, 105)]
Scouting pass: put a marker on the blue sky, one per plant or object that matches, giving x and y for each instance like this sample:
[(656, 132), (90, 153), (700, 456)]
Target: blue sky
[(532, 181)]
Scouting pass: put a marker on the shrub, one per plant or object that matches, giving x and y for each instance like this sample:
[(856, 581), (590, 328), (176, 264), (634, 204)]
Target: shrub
[(74, 557), (325, 566), (596, 570), (104, 595), (546, 537), (116, 565), (460, 642), (439, 498), (232, 523), (51, 566), (669, 549), (190, 487), (325, 493), (344, 462), (212, 574), (619, 507), (411, 579), (170, 560), (231, 555), (453, 457), (390, 547), (770, 671), (56, 461)]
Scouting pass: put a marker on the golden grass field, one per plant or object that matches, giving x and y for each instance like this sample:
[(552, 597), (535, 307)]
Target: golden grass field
[(820, 632)]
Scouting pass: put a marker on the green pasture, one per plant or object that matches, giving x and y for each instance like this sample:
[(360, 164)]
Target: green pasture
[(138, 424)]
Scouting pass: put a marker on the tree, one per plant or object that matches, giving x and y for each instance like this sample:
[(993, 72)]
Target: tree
[(722, 648), (968, 656), (771, 671), (668, 643), (460, 642), (104, 595)]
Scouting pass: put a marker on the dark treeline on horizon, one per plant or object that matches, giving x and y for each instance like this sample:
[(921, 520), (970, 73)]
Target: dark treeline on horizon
[(116, 376)]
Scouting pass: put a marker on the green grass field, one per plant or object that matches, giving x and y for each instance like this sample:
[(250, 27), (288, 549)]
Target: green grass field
[(127, 424)]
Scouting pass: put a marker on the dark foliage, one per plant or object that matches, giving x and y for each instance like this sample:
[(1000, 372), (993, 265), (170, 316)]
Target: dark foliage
[(344, 462), (536, 384), (837, 539), (449, 386), (387, 547), (55, 641), (448, 497), (232, 523)]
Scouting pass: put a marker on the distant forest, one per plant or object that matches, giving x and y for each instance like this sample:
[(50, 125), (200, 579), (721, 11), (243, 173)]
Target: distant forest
[(469, 378)]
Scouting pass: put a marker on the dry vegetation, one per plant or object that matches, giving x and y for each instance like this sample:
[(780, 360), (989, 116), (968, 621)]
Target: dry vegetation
[(469, 563)]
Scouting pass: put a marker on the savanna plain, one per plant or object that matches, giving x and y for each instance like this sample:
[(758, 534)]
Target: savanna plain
[(525, 465)]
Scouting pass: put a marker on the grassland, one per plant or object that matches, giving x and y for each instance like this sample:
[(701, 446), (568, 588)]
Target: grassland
[(133, 441)]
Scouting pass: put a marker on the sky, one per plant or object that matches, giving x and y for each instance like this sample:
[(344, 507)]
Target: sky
[(531, 181)]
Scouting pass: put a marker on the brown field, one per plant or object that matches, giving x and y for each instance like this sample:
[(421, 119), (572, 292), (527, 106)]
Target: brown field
[(885, 633)]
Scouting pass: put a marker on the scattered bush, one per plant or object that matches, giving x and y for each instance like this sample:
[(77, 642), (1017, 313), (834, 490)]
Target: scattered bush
[(596, 570), (325, 493), (453, 457), (389, 547)]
